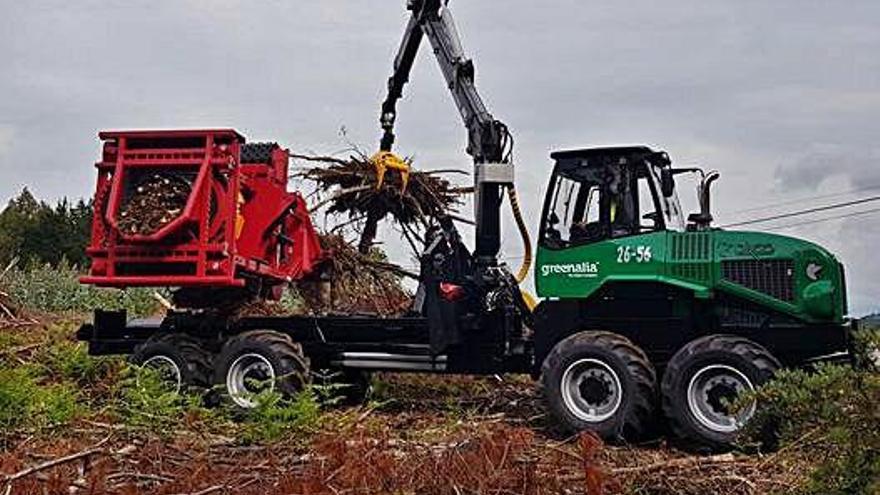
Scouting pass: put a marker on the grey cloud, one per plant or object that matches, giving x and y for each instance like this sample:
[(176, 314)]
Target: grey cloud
[(859, 167)]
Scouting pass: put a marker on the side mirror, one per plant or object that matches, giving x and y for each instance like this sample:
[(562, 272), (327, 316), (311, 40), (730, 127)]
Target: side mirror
[(667, 182)]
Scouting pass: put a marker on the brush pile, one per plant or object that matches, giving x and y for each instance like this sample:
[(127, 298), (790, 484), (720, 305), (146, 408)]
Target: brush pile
[(360, 280), (352, 188), (355, 283), (153, 204)]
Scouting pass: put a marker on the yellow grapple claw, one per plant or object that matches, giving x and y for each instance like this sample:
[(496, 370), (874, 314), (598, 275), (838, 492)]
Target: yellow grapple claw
[(385, 160)]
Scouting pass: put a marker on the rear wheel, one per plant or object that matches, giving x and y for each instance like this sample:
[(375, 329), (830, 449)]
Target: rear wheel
[(702, 381), (599, 381), (261, 361), (181, 360)]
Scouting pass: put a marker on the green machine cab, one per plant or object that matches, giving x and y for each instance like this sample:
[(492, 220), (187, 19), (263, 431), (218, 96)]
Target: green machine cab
[(608, 219), (613, 231)]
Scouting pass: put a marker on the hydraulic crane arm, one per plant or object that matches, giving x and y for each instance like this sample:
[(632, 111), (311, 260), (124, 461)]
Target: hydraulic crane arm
[(489, 141)]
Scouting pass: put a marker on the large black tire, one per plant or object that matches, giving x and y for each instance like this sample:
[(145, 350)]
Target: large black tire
[(189, 355), (269, 357), (579, 379), (702, 378)]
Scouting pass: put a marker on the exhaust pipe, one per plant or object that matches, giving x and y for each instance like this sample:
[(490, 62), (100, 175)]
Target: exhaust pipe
[(706, 195), (703, 219)]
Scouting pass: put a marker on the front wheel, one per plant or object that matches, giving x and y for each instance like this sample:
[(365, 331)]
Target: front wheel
[(702, 381), (599, 381), (180, 360)]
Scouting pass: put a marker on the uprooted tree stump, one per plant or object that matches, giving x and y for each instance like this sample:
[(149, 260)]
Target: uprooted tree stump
[(355, 283)]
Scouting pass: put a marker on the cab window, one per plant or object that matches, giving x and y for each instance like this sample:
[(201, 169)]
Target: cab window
[(575, 213), (595, 203)]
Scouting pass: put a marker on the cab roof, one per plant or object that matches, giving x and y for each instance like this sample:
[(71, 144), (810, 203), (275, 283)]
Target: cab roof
[(608, 151)]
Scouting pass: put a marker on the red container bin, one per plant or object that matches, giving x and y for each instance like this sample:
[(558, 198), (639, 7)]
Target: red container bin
[(239, 227)]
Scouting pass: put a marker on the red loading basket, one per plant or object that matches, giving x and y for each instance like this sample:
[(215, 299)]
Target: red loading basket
[(239, 227)]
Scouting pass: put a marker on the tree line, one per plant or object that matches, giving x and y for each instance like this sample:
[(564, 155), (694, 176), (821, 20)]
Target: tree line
[(34, 231)]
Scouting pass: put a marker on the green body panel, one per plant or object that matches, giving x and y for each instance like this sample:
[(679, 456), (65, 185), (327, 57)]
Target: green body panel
[(693, 261)]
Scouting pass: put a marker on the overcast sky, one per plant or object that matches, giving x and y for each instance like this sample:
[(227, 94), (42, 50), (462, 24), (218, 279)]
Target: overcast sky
[(782, 97)]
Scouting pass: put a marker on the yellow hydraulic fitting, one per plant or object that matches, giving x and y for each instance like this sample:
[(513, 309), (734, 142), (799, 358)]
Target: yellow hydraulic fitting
[(384, 160)]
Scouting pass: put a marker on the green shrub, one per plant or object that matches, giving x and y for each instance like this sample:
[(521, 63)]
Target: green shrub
[(276, 417), (145, 400), (17, 389), (9, 341), (56, 405), (831, 410), (71, 360), (24, 403), (56, 289)]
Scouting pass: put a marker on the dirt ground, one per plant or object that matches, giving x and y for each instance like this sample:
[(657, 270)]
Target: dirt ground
[(421, 435)]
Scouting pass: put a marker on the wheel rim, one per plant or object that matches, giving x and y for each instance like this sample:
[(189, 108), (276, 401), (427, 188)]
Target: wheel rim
[(168, 370), (591, 390), (249, 374), (710, 392)]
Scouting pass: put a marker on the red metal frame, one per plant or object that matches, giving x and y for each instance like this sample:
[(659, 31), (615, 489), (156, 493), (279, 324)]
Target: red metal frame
[(239, 223)]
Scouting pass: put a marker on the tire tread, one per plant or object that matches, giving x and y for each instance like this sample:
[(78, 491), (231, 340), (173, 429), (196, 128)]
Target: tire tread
[(639, 366), (192, 350), (750, 351), (290, 354)]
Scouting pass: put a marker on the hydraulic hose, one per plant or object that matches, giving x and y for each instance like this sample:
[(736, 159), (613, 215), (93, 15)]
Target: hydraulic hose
[(523, 271)]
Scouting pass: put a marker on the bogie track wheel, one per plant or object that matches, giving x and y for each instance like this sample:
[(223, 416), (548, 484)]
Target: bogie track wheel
[(701, 382), (260, 361), (181, 360), (599, 381)]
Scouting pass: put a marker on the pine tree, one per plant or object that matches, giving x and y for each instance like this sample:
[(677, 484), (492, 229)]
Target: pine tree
[(34, 231)]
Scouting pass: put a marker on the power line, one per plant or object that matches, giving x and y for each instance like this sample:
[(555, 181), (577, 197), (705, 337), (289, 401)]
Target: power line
[(826, 219), (807, 198), (803, 212)]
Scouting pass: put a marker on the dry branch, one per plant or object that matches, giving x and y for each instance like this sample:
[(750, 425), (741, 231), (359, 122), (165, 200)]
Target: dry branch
[(11, 478), (11, 315), (680, 463), (206, 491), (353, 188)]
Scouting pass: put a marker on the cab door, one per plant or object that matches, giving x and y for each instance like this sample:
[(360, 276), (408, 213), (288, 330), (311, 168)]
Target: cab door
[(600, 223)]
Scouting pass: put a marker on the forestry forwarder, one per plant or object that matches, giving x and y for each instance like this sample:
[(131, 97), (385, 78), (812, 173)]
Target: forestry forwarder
[(643, 311)]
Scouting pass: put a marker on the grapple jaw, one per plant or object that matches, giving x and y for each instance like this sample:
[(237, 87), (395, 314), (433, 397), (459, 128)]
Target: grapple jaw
[(385, 160)]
